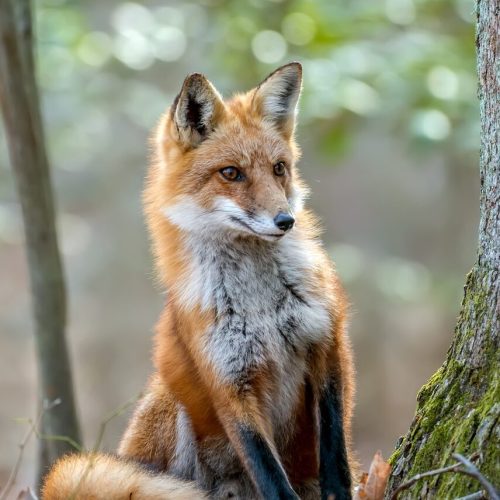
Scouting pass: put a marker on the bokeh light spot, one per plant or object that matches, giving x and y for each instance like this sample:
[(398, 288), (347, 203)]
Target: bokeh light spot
[(431, 124), (131, 16), (269, 46), (298, 28), (443, 83), (358, 97), (134, 50), (169, 43)]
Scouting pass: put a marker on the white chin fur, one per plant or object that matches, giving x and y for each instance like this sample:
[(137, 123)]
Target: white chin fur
[(225, 217)]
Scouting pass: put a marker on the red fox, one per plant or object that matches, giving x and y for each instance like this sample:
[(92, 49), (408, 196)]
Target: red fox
[(253, 391)]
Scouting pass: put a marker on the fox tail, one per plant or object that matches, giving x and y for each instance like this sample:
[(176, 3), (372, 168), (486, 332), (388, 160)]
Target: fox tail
[(96, 476)]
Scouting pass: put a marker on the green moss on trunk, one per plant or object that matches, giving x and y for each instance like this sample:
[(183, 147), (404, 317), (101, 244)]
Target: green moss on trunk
[(459, 408)]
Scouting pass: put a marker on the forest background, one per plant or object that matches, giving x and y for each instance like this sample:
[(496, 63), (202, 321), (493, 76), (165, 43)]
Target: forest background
[(390, 134)]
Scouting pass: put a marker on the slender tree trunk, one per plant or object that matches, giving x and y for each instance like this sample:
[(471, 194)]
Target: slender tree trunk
[(459, 408), (23, 125)]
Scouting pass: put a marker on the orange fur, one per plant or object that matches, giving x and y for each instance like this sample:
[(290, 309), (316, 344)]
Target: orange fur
[(96, 477), (184, 375)]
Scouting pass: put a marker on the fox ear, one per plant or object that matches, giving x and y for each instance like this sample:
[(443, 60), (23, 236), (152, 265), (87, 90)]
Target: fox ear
[(277, 96), (196, 110)]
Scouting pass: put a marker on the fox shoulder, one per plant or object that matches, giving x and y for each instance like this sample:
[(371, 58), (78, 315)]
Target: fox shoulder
[(97, 476)]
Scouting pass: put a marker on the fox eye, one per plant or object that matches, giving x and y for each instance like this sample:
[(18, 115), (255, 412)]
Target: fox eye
[(280, 168), (232, 174)]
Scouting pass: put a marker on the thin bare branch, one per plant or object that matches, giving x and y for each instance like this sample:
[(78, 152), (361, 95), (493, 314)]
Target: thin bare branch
[(102, 429), (471, 470), (115, 413), (423, 475), (33, 429), (463, 466), (478, 495), (64, 439)]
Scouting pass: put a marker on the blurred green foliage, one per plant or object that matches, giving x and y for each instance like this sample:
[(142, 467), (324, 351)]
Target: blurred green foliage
[(108, 69), (408, 64)]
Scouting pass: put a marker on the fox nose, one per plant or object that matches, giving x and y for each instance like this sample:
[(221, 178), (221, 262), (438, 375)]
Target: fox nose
[(284, 221)]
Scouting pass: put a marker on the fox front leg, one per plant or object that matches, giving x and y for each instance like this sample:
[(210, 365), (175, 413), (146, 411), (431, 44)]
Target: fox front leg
[(265, 469), (248, 435), (335, 476)]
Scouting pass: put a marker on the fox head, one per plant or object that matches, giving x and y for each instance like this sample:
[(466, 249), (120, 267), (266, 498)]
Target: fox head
[(228, 166)]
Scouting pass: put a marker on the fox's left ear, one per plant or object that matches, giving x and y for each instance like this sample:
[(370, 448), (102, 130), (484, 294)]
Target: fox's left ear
[(197, 110), (276, 98)]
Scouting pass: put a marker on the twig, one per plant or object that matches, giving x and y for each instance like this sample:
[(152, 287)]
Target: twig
[(33, 429), (47, 406), (116, 413), (479, 495), (463, 466), (418, 477), (65, 439), (471, 470)]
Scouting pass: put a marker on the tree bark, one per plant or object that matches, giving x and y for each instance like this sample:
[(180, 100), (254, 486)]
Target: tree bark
[(459, 408), (23, 125)]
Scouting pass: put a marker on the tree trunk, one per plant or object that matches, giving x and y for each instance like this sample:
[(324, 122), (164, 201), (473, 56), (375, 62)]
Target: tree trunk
[(23, 125), (459, 408)]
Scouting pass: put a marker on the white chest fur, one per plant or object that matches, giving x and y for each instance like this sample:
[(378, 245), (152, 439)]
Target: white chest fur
[(267, 313)]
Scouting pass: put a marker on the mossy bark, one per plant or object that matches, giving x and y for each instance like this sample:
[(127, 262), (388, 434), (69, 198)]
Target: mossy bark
[(459, 408)]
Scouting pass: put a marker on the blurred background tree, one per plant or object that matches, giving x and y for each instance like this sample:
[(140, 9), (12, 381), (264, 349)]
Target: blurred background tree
[(28, 157), (389, 131)]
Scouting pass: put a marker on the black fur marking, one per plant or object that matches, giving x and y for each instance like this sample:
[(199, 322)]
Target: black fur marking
[(228, 303), (286, 96), (194, 115), (288, 342), (287, 332), (243, 384), (291, 88), (335, 477), (266, 472), (233, 359), (281, 299), (291, 288)]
